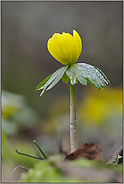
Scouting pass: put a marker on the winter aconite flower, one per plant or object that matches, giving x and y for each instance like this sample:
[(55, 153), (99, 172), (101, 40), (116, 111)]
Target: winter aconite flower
[(65, 48)]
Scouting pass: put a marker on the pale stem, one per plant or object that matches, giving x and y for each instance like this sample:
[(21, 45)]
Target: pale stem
[(73, 128)]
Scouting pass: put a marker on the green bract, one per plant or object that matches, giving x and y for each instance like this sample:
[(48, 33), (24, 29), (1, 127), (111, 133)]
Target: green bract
[(51, 80), (81, 72)]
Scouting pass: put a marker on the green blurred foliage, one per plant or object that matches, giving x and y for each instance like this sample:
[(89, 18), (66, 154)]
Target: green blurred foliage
[(16, 113), (44, 172), (55, 170), (10, 159)]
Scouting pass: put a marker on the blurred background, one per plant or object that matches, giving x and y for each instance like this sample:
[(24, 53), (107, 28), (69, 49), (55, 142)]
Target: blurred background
[(26, 28)]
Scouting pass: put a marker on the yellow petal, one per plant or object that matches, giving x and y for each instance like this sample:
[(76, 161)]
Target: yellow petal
[(68, 48), (78, 42), (54, 47)]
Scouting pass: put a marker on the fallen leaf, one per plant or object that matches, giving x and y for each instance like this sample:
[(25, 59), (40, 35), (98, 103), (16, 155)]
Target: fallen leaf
[(89, 151)]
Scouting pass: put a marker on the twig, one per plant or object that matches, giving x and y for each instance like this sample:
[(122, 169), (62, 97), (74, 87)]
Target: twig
[(21, 167), (29, 155)]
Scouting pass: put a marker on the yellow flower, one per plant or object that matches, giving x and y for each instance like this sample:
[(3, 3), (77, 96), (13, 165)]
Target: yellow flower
[(65, 48)]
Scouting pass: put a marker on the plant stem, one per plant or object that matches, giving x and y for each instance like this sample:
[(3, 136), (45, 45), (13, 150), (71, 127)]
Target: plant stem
[(73, 128)]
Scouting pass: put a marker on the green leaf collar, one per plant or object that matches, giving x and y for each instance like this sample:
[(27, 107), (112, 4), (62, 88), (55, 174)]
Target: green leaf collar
[(81, 72)]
